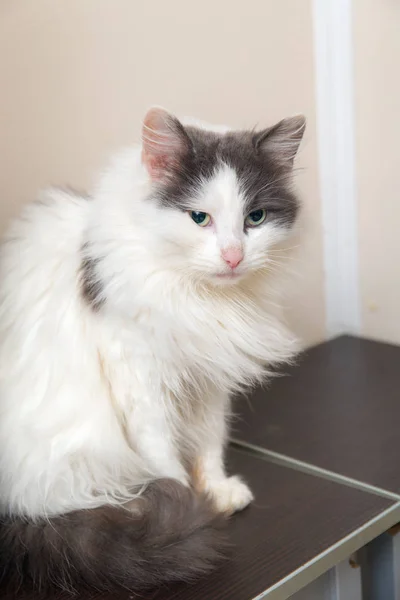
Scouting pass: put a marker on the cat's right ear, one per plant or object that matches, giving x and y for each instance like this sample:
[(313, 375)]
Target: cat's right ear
[(165, 143), (282, 141)]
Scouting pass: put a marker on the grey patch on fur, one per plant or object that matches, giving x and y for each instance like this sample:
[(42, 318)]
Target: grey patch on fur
[(265, 183), (168, 534), (91, 285)]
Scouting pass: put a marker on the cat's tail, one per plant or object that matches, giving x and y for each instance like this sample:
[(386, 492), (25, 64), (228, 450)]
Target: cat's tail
[(167, 534)]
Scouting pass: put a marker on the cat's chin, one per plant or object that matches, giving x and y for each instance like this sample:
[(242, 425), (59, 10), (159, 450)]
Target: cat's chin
[(227, 278)]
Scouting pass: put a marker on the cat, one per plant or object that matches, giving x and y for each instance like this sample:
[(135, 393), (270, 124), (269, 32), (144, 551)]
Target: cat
[(127, 319)]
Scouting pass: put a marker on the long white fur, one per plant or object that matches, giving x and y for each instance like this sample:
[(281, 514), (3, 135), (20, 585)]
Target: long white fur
[(94, 404)]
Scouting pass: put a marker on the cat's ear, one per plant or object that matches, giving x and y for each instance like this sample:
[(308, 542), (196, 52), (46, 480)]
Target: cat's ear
[(281, 141), (165, 143)]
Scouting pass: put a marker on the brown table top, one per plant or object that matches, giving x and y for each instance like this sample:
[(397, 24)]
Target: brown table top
[(338, 409)]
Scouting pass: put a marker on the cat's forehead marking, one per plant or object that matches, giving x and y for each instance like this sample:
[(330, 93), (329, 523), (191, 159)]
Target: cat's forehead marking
[(222, 189), (222, 197)]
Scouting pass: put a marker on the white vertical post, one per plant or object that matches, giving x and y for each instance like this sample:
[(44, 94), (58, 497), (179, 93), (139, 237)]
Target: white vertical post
[(380, 567), (320, 589), (341, 583), (333, 49), (348, 580)]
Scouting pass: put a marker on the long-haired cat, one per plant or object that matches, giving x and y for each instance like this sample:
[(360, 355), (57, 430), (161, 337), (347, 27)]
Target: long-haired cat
[(126, 320)]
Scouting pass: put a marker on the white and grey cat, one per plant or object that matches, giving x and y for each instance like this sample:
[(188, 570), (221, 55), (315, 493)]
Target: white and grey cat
[(126, 320)]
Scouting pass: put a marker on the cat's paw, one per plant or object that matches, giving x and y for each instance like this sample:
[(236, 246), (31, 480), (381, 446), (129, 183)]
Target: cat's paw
[(231, 495)]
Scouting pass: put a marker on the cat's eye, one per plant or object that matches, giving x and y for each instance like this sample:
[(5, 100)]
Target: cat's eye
[(200, 218), (256, 218)]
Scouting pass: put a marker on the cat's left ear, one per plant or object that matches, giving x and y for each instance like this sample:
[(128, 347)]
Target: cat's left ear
[(165, 143), (281, 141)]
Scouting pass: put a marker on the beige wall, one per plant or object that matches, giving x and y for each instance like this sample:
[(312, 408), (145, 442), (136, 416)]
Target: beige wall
[(377, 86), (77, 76)]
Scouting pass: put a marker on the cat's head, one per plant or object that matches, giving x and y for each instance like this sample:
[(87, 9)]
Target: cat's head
[(223, 198)]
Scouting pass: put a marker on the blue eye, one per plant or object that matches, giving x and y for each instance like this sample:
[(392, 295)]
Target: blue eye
[(256, 218), (200, 218)]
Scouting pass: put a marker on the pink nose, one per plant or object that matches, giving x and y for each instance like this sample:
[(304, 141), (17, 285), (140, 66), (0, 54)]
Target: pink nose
[(232, 256)]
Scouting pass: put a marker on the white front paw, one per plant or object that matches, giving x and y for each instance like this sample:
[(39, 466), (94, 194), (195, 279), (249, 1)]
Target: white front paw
[(231, 495)]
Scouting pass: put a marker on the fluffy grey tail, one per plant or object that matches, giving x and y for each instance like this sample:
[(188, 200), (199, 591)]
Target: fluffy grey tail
[(168, 534)]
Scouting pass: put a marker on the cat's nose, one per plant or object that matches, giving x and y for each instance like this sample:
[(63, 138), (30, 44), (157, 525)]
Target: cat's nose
[(232, 256)]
